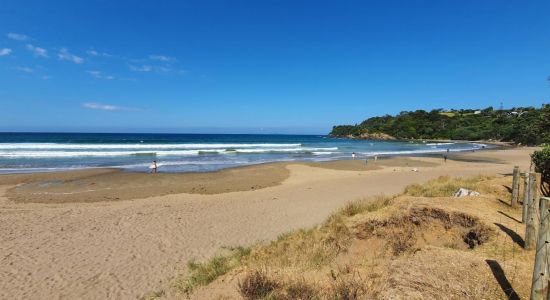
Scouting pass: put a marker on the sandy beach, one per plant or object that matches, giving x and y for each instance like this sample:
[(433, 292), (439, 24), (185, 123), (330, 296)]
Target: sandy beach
[(107, 234)]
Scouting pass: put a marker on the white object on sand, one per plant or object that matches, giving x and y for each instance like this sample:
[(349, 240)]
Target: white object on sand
[(462, 192)]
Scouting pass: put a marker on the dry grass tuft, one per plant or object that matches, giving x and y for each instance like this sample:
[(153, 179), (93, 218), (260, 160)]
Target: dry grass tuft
[(300, 290), (206, 272), (256, 285), (305, 249), (347, 288), (446, 186), (365, 205)]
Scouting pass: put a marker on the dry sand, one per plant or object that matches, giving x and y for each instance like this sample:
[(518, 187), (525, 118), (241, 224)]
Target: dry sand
[(82, 247)]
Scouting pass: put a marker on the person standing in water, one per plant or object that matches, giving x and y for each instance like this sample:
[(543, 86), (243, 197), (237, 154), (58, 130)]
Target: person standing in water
[(353, 155), (153, 167)]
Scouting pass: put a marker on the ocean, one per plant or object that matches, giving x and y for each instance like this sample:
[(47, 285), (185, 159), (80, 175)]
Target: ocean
[(39, 152)]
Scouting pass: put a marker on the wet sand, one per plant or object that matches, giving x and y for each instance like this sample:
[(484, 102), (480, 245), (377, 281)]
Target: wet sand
[(111, 185), (83, 247)]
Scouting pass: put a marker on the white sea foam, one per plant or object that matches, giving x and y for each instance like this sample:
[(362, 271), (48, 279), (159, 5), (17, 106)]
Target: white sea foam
[(284, 150), (54, 146), (16, 153), (36, 154), (439, 144)]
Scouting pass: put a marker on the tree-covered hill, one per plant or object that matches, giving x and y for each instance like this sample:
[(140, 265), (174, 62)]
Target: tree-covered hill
[(525, 125)]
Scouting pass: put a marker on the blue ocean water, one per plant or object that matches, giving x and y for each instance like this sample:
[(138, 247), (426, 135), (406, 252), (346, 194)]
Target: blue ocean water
[(37, 152)]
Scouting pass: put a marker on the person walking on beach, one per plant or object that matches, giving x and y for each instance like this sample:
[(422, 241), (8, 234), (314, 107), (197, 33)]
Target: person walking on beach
[(445, 158), (353, 155), (153, 167)]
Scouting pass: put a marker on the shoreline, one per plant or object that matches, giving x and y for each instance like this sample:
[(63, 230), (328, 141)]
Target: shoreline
[(497, 145), (112, 184)]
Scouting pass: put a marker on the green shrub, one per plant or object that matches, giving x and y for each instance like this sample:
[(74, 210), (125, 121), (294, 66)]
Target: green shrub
[(541, 160)]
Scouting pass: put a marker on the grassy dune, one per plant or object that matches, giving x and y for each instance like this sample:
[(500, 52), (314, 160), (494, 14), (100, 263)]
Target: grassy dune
[(420, 244)]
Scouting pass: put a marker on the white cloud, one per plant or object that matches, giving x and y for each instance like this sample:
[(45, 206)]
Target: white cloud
[(64, 54), (37, 51), (144, 68), (162, 58), (100, 75), (107, 107), (17, 37), (100, 106), (96, 53), (5, 51), (24, 69)]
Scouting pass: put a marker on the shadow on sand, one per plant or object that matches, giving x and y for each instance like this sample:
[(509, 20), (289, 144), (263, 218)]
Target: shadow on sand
[(507, 215), (505, 285), (512, 234)]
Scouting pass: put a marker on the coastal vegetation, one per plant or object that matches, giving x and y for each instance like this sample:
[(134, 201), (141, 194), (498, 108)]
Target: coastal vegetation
[(521, 125), (422, 242), (541, 160)]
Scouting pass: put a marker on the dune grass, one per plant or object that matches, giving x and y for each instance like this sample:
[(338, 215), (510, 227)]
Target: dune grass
[(206, 272), (365, 205), (260, 285), (305, 249), (276, 270), (446, 186)]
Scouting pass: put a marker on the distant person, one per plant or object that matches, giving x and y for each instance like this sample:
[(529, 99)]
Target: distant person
[(448, 150), (375, 157), (153, 167), (353, 155), (366, 160), (445, 158)]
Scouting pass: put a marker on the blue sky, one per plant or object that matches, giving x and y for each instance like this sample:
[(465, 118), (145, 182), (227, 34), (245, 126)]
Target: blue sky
[(262, 66)]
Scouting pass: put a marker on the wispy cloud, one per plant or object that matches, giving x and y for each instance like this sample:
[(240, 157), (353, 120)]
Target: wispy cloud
[(5, 51), (143, 68), (152, 68), (24, 69), (64, 54), (107, 107), (162, 58), (100, 75), (18, 37), (97, 53), (37, 51)]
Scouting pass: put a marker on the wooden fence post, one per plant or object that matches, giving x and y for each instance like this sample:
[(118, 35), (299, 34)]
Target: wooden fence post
[(515, 187), (530, 222), (526, 190), (541, 257)]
